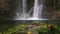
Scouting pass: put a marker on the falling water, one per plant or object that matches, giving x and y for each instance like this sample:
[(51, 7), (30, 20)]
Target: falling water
[(24, 8), (21, 12), (37, 10), (38, 7)]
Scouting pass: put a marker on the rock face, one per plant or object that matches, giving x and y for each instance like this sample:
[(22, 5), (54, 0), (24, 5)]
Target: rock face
[(7, 8), (53, 8), (56, 15)]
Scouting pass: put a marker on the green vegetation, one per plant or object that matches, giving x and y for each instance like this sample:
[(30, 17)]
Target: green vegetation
[(22, 29)]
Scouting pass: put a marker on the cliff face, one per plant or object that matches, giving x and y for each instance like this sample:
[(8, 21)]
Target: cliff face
[(6, 9), (53, 8)]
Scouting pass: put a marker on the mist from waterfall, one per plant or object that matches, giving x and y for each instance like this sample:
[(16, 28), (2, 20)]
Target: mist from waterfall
[(37, 10)]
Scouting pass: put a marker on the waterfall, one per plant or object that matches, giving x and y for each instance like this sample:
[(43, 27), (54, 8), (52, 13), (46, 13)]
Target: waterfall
[(38, 7), (37, 11), (24, 8)]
